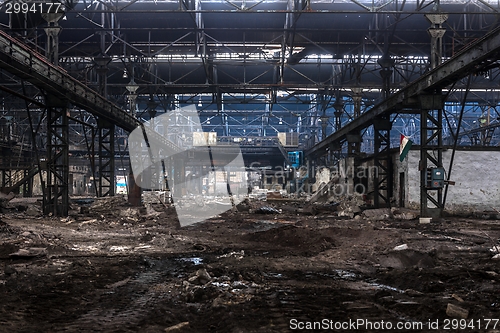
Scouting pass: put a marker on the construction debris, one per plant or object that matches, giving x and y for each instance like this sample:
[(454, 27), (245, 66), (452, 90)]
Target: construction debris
[(267, 210), (349, 205)]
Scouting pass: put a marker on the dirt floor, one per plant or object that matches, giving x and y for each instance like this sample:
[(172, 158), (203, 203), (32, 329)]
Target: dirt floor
[(116, 269)]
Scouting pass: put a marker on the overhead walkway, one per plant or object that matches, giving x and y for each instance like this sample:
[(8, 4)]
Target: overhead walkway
[(467, 61), (27, 64)]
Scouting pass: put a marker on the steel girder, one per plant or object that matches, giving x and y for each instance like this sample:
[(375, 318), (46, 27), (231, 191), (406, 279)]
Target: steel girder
[(106, 166), (56, 200), (382, 179), (431, 153), (468, 61)]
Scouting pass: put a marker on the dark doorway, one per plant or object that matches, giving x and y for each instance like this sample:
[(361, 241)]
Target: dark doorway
[(402, 193)]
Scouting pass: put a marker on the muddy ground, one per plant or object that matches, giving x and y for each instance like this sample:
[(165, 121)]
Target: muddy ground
[(114, 269)]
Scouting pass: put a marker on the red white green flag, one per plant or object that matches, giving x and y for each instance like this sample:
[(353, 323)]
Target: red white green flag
[(404, 147)]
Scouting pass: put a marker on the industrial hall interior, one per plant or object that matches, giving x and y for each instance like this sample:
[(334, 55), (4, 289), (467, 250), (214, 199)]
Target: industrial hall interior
[(249, 166)]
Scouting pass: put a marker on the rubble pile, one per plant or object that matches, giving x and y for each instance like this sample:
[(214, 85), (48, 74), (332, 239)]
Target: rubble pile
[(4, 200), (108, 203), (349, 205), (155, 197), (220, 291)]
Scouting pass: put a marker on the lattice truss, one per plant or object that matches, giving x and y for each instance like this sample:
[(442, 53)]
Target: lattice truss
[(253, 68)]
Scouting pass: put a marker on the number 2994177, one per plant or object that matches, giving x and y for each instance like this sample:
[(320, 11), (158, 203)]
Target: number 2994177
[(33, 8)]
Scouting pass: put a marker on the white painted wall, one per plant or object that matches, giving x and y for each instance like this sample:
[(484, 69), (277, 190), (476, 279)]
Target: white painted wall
[(475, 173)]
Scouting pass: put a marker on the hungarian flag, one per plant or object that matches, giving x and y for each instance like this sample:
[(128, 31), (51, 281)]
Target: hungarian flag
[(404, 147)]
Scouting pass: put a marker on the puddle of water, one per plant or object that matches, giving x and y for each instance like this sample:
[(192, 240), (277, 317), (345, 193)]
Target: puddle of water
[(196, 260), (386, 287), (351, 276), (274, 275), (345, 274), (340, 273)]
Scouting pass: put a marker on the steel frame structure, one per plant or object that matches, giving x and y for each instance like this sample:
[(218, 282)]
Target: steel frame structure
[(326, 70)]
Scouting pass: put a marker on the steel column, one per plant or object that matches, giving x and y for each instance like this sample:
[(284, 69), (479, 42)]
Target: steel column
[(431, 153), (56, 201), (106, 167), (382, 179)]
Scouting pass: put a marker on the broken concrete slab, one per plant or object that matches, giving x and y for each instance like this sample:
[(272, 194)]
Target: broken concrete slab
[(456, 311)]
